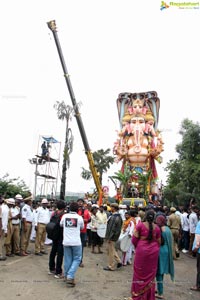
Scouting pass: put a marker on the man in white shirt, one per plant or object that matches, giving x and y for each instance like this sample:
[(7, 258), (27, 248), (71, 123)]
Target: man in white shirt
[(26, 225), (72, 224), (4, 223), (128, 229), (16, 216), (102, 215), (122, 211), (42, 218), (193, 220), (185, 230), (10, 203), (102, 219)]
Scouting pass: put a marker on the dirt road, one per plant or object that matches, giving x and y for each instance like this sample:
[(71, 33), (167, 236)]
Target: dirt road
[(26, 278)]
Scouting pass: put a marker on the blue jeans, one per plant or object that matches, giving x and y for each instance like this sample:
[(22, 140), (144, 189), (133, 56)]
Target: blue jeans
[(72, 259)]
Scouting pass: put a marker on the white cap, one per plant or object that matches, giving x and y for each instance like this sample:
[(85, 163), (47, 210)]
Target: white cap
[(18, 197), (95, 205), (10, 201), (44, 201)]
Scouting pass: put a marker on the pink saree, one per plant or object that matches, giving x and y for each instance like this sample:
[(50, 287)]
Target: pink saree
[(145, 263)]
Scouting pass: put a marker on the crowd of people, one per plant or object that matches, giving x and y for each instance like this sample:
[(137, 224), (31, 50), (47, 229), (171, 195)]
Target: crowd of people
[(158, 239), (150, 238), (21, 221)]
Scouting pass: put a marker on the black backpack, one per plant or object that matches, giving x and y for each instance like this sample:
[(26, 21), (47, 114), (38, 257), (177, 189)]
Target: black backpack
[(53, 228)]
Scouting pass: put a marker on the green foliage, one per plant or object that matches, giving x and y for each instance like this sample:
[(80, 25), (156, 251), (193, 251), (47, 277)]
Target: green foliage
[(123, 178), (9, 188), (143, 181), (184, 171), (85, 174), (102, 162)]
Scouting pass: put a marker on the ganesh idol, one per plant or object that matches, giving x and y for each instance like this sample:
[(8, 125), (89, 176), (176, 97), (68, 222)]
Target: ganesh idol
[(133, 146), (139, 143)]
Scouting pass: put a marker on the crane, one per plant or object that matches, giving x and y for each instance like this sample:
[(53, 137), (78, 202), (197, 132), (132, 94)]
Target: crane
[(52, 26)]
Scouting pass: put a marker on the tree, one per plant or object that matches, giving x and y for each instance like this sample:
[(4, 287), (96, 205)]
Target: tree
[(184, 171), (64, 112), (123, 178), (102, 161), (9, 188), (143, 181)]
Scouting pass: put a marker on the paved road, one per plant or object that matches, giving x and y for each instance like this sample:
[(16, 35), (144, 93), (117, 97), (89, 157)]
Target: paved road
[(26, 278)]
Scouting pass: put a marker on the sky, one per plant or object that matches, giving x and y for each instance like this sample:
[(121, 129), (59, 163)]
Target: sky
[(110, 47)]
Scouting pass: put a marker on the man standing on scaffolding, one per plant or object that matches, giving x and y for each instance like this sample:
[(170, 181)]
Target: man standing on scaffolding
[(48, 148), (44, 149)]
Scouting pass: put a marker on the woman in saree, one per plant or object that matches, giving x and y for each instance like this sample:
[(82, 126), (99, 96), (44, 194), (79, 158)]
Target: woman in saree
[(146, 239), (165, 259)]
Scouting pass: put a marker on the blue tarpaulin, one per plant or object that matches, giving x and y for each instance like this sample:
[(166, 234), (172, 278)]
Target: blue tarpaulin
[(50, 139)]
